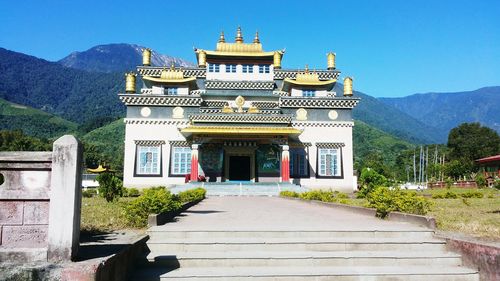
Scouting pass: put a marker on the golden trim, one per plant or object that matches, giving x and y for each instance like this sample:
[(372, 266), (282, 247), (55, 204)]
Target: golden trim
[(173, 81), (99, 169), (310, 83), (241, 130)]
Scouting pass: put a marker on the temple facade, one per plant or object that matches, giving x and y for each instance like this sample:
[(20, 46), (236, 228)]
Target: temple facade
[(239, 116)]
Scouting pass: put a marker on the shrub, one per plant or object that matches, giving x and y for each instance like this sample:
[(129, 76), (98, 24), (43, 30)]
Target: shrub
[(130, 192), (320, 195), (446, 195), (152, 201), (89, 193), (288, 193), (369, 180), (481, 181), (472, 194), (192, 195), (385, 201), (496, 184), (110, 186)]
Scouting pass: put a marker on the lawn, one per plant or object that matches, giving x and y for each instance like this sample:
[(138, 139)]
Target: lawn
[(99, 215), (472, 216)]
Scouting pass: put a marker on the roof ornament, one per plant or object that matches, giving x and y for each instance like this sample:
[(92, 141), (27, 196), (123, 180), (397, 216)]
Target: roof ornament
[(306, 70), (172, 66), (256, 38), (239, 36), (221, 37)]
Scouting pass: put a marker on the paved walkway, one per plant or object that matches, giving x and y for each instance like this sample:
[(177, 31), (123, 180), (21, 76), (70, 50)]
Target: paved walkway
[(274, 213)]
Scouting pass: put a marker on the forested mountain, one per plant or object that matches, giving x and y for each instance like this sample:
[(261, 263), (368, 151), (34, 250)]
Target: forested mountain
[(76, 95), (448, 110), (32, 122), (117, 58)]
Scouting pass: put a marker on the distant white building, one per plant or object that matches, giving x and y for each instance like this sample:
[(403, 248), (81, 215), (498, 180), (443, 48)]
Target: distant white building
[(239, 116)]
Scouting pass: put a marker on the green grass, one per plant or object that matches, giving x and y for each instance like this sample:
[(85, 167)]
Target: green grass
[(101, 216), (475, 217)]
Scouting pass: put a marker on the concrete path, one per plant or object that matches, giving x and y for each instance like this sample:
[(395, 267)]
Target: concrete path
[(274, 213)]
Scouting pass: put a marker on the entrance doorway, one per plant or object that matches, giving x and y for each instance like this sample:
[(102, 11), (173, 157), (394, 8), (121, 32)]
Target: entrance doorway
[(239, 168)]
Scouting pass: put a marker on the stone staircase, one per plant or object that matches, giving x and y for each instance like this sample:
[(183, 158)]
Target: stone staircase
[(299, 255), (240, 188)]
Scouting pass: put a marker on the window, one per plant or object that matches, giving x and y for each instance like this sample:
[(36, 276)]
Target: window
[(181, 161), (172, 91), (308, 93), (230, 68), (247, 68), (264, 68), (329, 162), (299, 166), (213, 67), (148, 160)]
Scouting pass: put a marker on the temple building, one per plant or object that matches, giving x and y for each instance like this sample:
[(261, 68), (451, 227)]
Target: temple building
[(239, 116)]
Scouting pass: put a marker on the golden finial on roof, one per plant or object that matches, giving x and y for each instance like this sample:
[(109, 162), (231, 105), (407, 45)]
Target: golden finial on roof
[(130, 82), (171, 74), (221, 37), (348, 86), (146, 56), (239, 36), (172, 66), (331, 60), (256, 38), (306, 70)]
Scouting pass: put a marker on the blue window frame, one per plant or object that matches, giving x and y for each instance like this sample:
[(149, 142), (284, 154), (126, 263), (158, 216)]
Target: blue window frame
[(230, 68), (308, 93), (264, 68), (172, 91), (181, 161), (213, 67), (299, 165), (148, 159), (247, 68), (329, 162)]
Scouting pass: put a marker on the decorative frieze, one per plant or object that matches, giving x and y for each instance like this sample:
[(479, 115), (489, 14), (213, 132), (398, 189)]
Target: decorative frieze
[(196, 92), (240, 143), (180, 143), (301, 124), (318, 102), (149, 142), (156, 121), (215, 103), (240, 85), (322, 74), (241, 118), (281, 93), (187, 72), (265, 104), (160, 100), (299, 144), (330, 144)]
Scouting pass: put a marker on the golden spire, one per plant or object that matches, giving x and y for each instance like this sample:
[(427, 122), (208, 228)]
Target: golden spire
[(330, 60), (306, 69), (130, 82), (256, 38), (172, 66), (146, 56), (221, 37), (348, 86), (239, 37)]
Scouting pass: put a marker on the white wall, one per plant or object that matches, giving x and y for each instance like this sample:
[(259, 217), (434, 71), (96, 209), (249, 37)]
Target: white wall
[(333, 135), (135, 132), (239, 75), (182, 90)]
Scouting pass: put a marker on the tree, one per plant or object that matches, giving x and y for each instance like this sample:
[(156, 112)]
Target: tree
[(471, 141), (110, 187)]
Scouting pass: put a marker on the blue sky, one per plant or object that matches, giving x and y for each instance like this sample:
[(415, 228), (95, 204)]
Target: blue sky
[(392, 48)]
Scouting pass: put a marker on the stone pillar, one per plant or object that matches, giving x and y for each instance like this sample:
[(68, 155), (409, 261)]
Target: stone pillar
[(65, 199), (285, 163), (194, 162)]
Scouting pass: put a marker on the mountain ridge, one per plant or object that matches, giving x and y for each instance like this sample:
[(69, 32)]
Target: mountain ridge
[(448, 110), (117, 57)]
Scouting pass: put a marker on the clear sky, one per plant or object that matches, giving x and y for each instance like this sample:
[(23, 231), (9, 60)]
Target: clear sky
[(391, 48)]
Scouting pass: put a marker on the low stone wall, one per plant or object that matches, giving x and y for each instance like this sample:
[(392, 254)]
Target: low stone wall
[(459, 184), (40, 198), (429, 222), (484, 255)]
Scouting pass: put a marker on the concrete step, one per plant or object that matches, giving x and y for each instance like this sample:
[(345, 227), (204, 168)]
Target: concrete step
[(343, 273), (293, 244), (306, 258), (159, 233)]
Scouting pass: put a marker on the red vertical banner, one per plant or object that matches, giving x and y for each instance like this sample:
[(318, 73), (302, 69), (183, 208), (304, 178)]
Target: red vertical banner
[(194, 162), (285, 164)]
